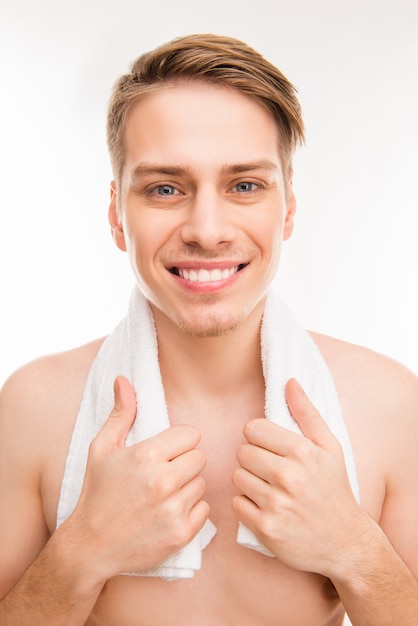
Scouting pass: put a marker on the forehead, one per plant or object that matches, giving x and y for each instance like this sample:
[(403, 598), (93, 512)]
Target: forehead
[(200, 125)]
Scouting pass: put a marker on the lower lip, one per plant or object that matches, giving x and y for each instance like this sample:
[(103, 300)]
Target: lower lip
[(212, 286)]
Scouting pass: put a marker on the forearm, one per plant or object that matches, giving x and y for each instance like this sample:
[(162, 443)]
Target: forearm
[(375, 585), (58, 589)]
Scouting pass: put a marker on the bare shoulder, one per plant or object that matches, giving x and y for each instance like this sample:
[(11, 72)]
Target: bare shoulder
[(379, 397), (52, 380), (38, 407), (39, 402), (365, 377)]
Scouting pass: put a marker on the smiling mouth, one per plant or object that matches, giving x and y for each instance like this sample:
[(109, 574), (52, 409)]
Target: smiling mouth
[(205, 275)]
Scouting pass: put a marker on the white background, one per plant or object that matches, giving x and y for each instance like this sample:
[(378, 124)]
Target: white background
[(350, 269)]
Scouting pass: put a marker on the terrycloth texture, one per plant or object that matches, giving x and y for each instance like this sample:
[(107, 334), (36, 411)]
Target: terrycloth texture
[(288, 351), (131, 350)]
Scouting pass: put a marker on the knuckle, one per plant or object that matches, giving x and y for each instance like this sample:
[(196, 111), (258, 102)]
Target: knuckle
[(180, 535), (115, 413), (272, 500), (145, 453), (163, 486), (304, 450), (295, 483), (268, 526), (178, 528), (277, 475)]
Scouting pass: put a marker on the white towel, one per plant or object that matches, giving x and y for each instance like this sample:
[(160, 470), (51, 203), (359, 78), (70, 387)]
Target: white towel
[(288, 351), (131, 350)]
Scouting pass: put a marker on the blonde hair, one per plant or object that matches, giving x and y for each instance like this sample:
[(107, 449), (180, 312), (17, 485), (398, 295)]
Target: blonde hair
[(212, 59)]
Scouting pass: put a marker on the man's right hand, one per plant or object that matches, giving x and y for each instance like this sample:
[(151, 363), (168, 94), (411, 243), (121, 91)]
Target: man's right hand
[(142, 503)]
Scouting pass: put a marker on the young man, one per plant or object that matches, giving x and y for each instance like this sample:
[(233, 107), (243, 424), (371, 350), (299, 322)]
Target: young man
[(189, 507)]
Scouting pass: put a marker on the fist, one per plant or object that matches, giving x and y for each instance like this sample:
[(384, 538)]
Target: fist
[(139, 504)]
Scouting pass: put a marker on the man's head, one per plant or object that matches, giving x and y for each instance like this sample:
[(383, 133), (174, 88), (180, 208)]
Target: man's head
[(201, 135), (210, 59)]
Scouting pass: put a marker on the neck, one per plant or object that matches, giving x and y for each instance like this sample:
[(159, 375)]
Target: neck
[(211, 366)]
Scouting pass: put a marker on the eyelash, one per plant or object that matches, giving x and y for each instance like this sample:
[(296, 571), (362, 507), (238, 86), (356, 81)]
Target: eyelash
[(175, 194), (255, 186), (154, 190)]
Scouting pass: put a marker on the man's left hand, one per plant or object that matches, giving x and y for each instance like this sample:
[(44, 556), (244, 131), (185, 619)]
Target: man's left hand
[(296, 496)]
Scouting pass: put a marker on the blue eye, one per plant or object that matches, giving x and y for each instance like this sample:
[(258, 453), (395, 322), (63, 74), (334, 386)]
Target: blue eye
[(165, 190), (245, 187)]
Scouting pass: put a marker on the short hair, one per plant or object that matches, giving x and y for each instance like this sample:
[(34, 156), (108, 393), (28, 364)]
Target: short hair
[(210, 59)]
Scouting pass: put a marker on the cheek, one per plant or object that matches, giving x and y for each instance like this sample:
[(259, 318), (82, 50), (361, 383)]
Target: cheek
[(136, 247), (144, 240), (266, 230)]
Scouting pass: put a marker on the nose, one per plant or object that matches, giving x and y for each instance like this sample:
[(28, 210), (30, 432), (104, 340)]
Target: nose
[(208, 223)]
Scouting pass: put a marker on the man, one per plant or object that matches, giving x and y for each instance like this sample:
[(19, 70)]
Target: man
[(201, 135)]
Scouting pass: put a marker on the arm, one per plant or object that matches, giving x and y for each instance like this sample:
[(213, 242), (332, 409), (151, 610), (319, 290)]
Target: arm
[(393, 571), (23, 529), (112, 530), (298, 501), (55, 590)]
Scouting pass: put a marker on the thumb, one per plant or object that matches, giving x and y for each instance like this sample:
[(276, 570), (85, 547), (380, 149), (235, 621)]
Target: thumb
[(312, 425), (122, 416)]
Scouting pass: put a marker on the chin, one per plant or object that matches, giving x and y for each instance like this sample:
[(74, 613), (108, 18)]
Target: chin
[(207, 331), (209, 319), (210, 324)]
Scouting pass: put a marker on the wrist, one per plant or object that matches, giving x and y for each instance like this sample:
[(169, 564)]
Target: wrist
[(360, 550), (375, 585), (77, 560), (58, 589), (367, 559)]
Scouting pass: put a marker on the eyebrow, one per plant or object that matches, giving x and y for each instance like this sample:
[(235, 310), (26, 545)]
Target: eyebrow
[(144, 169), (238, 168)]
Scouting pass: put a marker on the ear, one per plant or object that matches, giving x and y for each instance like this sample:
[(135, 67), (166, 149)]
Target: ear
[(114, 219), (290, 208)]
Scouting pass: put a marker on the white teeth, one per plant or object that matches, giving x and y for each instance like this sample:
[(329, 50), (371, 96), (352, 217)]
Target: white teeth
[(207, 276)]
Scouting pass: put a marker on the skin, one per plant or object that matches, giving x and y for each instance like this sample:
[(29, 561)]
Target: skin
[(204, 189)]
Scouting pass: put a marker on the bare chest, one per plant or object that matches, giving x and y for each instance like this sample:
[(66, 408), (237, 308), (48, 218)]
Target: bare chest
[(235, 585)]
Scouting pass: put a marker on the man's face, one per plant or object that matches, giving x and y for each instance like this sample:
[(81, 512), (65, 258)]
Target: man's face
[(203, 207)]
